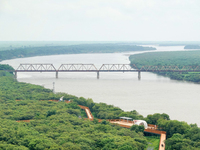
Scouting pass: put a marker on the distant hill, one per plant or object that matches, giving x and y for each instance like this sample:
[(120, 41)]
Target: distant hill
[(71, 49)]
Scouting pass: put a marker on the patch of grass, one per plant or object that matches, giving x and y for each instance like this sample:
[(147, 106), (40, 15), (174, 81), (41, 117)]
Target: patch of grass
[(153, 142)]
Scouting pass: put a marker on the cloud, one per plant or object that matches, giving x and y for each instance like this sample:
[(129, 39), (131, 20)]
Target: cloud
[(98, 20)]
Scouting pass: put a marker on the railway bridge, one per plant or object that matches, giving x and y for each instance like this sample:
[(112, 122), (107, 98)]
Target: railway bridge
[(104, 68)]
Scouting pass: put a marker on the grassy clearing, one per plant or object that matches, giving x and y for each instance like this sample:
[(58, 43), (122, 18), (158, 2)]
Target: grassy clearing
[(153, 142)]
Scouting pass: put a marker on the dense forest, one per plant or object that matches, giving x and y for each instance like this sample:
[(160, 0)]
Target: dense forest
[(60, 125), (71, 49), (179, 59)]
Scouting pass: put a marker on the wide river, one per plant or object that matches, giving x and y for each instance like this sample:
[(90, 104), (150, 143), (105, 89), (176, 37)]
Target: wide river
[(152, 94)]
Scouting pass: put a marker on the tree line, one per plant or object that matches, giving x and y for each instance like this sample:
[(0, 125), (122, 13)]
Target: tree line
[(71, 49), (179, 59)]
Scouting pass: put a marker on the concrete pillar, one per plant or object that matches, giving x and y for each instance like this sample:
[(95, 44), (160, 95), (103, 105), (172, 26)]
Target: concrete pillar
[(15, 74), (97, 74), (139, 75), (56, 74)]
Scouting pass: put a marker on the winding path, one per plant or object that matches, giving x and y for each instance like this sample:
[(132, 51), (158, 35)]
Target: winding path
[(150, 129)]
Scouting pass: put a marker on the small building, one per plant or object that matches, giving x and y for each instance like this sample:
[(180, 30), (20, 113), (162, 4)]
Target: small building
[(134, 122), (141, 123), (125, 119)]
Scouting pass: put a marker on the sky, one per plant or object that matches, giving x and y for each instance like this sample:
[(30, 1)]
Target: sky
[(99, 20)]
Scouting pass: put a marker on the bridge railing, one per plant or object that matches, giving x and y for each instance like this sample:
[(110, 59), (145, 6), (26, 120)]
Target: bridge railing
[(155, 131)]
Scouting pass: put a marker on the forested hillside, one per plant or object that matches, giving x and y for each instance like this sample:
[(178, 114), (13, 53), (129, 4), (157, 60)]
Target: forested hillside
[(57, 125), (71, 49), (179, 59)]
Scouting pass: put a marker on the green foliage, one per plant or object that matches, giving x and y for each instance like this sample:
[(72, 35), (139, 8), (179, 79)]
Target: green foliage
[(177, 141), (55, 125), (104, 111), (6, 67), (179, 59), (76, 112), (137, 128), (153, 142), (153, 119), (13, 90), (6, 146), (132, 114), (9, 71), (51, 112), (63, 130), (180, 135), (173, 126)]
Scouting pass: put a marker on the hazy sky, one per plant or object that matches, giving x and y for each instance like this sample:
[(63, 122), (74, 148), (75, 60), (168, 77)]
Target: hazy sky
[(100, 20)]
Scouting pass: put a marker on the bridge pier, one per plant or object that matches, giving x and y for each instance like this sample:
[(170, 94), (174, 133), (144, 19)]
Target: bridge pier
[(97, 74), (56, 74), (15, 74), (139, 75)]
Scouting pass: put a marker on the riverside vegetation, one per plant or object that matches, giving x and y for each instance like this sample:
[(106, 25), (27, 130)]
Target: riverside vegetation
[(179, 59), (56, 125), (71, 49), (59, 125)]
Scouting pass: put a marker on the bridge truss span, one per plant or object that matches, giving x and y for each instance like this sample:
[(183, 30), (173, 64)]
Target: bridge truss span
[(36, 68), (104, 68), (118, 68), (77, 68)]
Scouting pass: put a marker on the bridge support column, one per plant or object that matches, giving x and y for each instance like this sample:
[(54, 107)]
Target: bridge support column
[(97, 74), (56, 74), (15, 74), (139, 75)]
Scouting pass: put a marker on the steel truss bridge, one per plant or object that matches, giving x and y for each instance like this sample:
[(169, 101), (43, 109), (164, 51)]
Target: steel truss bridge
[(103, 68)]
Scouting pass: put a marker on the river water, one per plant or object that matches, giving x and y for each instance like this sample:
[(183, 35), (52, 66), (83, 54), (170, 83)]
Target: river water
[(152, 94)]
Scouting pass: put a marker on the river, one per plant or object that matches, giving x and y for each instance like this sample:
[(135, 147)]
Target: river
[(152, 94)]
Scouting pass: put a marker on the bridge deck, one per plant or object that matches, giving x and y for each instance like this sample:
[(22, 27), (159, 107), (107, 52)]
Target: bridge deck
[(162, 142), (88, 112), (104, 68)]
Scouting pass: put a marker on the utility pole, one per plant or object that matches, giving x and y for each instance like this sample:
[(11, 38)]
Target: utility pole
[(54, 87)]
